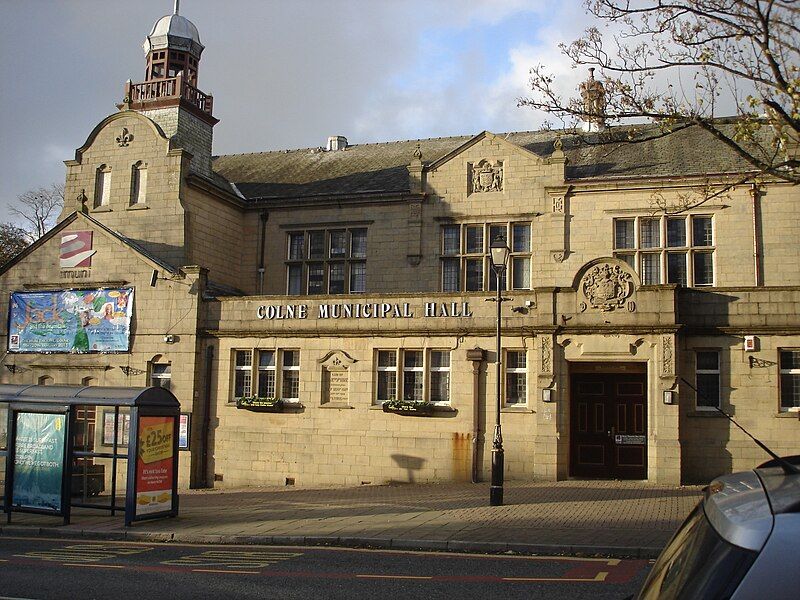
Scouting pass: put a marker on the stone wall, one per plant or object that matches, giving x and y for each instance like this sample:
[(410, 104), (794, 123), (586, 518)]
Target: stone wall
[(188, 132), (157, 224), (164, 309)]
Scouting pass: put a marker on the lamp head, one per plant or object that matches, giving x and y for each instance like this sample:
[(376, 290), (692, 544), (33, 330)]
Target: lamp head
[(499, 252)]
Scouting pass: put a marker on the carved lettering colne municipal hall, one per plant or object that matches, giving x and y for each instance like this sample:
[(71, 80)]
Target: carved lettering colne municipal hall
[(375, 310)]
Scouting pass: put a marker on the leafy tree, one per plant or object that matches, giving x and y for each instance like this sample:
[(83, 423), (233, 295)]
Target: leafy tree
[(682, 63), (38, 209), (13, 240)]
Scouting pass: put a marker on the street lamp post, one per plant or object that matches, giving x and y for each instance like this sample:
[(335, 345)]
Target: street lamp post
[(499, 254)]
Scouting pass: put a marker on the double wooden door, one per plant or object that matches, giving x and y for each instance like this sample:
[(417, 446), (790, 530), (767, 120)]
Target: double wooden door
[(608, 425)]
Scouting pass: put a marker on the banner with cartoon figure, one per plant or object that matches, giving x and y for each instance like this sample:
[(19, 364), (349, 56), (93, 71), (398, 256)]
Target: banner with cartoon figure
[(154, 473), (38, 461), (70, 321)]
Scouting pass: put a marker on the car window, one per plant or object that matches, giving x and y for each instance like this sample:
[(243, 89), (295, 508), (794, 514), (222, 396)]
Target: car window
[(697, 563)]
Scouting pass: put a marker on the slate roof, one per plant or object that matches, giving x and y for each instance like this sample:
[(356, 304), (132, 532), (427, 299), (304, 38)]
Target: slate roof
[(381, 167), (113, 233)]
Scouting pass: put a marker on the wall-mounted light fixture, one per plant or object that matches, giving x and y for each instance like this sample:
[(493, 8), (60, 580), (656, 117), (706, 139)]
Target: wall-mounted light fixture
[(669, 397), (547, 395)]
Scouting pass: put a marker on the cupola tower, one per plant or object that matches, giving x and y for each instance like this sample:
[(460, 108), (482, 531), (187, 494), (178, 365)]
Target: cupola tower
[(169, 94)]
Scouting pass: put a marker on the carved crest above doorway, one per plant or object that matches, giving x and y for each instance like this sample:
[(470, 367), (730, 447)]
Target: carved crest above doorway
[(485, 176), (606, 286)]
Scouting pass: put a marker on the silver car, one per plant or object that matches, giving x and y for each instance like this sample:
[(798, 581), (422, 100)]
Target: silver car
[(741, 541)]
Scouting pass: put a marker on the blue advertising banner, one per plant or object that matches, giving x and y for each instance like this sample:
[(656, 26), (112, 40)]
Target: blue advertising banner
[(70, 321), (38, 461)]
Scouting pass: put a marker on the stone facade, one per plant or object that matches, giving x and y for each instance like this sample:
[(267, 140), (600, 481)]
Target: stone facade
[(254, 255)]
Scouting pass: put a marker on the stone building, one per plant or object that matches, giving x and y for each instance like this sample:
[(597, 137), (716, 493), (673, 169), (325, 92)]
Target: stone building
[(351, 282)]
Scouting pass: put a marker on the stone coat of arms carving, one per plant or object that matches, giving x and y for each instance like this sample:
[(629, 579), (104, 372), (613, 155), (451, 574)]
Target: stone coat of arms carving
[(606, 287), (487, 176)]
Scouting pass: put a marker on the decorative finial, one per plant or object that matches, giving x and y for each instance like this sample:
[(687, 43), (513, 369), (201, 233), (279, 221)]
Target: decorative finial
[(593, 95), (177, 6), (418, 152), (81, 198), (558, 144)]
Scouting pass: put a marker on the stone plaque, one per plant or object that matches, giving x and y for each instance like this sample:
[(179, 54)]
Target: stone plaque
[(338, 387), (336, 378)]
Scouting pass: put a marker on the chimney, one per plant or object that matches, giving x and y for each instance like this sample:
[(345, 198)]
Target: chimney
[(593, 95), (337, 142)]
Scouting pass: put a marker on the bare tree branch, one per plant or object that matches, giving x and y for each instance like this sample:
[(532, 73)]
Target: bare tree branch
[(672, 62), (38, 209)]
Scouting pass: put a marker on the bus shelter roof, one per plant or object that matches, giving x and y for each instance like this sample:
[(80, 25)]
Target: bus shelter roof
[(89, 395)]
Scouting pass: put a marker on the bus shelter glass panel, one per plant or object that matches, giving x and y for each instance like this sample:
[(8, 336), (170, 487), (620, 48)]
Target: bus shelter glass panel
[(100, 450), (39, 461), (3, 448)]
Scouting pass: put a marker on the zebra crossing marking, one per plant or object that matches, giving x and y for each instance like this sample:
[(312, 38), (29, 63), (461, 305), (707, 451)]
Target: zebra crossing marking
[(232, 559), (83, 553)]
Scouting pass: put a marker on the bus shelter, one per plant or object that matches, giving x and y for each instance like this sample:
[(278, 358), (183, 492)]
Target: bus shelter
[(72, 446)]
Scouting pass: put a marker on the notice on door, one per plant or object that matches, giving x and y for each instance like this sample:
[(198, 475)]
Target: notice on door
[(39, 461), (154, 473)]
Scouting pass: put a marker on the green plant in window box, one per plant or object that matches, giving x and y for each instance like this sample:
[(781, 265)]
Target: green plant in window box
[(260, 404), (408, 407)]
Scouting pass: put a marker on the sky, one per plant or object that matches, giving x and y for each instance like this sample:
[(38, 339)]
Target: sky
[(284, 74)]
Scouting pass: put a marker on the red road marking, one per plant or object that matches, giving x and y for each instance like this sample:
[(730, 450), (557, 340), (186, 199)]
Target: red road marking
[(621, 572)]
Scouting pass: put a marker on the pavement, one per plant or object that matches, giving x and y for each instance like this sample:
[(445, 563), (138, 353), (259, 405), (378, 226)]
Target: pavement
[(579, 518)]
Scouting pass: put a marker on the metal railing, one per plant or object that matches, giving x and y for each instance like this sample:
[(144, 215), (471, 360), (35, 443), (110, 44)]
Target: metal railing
[(170, 88)]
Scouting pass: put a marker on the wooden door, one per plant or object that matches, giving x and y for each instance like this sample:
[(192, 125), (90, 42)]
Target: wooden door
[(608, 425)]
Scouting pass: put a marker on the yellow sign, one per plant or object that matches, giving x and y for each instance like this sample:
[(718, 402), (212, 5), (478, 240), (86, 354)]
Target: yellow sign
[(156, 442)]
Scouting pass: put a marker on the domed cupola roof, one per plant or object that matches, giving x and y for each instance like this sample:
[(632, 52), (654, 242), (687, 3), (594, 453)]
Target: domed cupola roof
[(174, 32)]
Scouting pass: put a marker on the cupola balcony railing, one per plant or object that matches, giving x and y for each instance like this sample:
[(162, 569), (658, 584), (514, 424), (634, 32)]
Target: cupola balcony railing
[(160, 92)]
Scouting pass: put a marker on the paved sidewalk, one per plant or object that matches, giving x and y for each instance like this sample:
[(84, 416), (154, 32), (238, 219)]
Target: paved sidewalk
[(611, 518)]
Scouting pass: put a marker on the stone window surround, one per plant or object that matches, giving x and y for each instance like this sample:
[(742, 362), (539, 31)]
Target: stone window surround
[(400, 369), (347, 260), (138, 196), (791, 372), (718, 372), (636, 251), (102, 187), (463, 256), (160, 374), (252, 371), (518, 371)]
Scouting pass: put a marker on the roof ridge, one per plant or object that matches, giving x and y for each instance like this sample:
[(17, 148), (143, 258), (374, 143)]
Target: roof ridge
[(349, 145), (554, 131)]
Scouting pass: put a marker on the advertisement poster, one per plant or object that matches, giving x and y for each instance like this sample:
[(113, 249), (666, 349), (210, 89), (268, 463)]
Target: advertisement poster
[(70, 321), (154, 475), (183, 431), (38, 461), (123, 429)]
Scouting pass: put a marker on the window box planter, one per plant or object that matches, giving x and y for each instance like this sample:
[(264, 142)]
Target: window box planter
[(414, 409), (256, 404)]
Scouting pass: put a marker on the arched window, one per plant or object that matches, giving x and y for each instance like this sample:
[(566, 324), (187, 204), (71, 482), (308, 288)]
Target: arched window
[(160, 372), (45, 380), (138, 183), (102, 186)]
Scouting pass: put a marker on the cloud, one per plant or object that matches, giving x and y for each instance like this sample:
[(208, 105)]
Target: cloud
[(461, 92), (283, 74)]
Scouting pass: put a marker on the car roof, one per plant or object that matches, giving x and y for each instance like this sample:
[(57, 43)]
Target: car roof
[(737, 507), (783, 489)]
